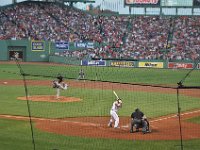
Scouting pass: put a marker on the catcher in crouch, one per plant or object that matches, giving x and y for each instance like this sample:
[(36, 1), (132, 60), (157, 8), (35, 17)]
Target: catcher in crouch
[(139, 120), (113, 112), (59, 85)]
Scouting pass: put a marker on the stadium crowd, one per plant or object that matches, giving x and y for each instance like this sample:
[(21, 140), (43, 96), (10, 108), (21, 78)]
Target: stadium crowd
[(137, 37)]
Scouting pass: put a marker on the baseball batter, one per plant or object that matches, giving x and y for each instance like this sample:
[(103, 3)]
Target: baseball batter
[(59, 85), (113, 112)]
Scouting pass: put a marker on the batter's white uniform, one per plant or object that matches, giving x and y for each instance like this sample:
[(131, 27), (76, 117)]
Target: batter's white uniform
[(113, 112)]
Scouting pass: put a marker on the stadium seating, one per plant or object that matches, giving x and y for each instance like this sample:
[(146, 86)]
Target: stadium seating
[(136, 37)]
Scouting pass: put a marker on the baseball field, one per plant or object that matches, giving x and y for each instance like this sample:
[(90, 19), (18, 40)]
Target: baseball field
[(78, 120)]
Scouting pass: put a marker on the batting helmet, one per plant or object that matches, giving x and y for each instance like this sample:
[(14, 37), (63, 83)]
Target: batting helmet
[(120, 101)]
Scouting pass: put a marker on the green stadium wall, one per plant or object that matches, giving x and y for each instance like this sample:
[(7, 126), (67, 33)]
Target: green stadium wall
[(43, 51), (64, 60), (29, 54)]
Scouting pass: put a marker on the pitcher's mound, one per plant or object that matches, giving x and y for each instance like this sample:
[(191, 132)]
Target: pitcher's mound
[(50, 98)]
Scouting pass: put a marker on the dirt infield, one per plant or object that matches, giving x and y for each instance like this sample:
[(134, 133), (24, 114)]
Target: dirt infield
[(163, 128), (50, 98)]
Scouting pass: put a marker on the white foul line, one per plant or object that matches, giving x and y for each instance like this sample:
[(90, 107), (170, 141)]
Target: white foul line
[(46, 119), (174, 116), (91, 124)]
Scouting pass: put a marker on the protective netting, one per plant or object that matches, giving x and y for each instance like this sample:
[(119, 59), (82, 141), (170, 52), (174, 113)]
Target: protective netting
[(128, 56), (82, 111)]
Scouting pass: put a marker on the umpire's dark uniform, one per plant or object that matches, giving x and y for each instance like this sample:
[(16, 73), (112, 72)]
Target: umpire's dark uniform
[(137, 121)]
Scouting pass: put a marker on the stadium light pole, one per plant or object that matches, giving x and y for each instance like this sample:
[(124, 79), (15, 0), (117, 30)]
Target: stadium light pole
[(13, 1)]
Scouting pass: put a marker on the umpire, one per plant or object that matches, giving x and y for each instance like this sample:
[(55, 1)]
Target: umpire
[(137, 121)]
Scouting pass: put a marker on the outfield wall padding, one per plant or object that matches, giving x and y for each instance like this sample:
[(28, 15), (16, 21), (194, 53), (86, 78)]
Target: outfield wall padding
[(30, 55)]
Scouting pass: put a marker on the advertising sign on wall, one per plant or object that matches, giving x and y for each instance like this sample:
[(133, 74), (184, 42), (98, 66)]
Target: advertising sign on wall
[(180, 65), (84, 44), (90, 45), (62, 45), (37, 46), (151, 64), (142, 2), (122, 63), (93, 63), (177, 3)]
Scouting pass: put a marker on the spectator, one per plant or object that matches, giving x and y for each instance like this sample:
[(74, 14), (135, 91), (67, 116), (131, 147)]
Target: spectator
[(141, 37)]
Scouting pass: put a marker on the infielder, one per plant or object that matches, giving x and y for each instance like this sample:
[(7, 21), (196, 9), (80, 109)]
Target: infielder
[(113, 112), (81, 75), (59, 85)]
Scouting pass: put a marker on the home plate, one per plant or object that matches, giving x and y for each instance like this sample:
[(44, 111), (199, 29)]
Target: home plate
[(126, 126)]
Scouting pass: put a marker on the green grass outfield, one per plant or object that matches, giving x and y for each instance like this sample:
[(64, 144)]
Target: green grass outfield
[(16, 135), (94, 102), (126, 75)]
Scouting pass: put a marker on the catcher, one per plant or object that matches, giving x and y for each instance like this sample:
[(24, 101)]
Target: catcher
[(113, 112), (139, 120), (59, 85)]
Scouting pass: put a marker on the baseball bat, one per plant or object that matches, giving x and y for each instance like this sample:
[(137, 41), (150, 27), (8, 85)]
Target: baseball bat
[(116, 94)]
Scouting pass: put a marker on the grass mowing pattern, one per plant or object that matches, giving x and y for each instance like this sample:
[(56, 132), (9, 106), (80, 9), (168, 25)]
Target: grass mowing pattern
[(95, 103), (113, 74), (153, 104)]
